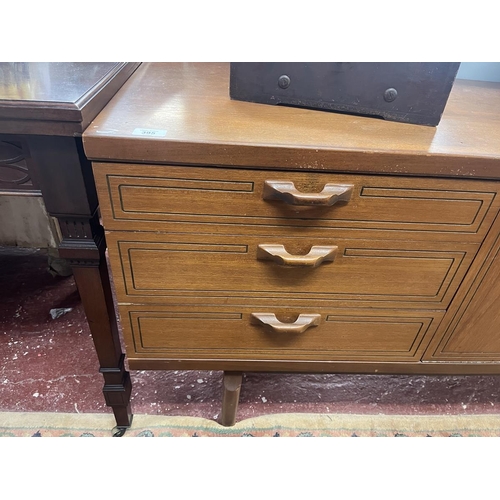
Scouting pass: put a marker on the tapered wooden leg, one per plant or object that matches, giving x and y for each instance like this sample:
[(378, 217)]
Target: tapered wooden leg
[(230, 397), (87, 259), (69, 193)]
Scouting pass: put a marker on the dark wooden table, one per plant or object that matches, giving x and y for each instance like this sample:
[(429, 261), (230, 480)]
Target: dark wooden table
[(44, 109)]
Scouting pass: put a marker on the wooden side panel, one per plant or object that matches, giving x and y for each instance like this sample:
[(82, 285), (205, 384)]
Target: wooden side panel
[(182, 332), (151, 267), (474, 332), (148, 197)]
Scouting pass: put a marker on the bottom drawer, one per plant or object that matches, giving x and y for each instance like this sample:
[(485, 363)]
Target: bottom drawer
[(236, 333)]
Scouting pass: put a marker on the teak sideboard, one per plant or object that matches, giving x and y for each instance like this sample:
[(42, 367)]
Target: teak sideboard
[(247, 237)]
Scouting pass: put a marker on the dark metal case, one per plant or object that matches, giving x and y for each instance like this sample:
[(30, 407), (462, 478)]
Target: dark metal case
[(404, 92)]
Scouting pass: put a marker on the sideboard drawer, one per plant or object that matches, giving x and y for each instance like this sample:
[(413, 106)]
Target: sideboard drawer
[(148, 197), (398, 273), (181, 332)]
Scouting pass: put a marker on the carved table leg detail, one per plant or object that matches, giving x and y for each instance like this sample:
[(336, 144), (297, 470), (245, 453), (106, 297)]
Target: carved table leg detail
[(230, 397), (117, 390), (84, 246)]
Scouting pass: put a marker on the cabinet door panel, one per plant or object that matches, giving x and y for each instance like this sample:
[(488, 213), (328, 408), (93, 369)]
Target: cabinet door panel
[(474, 332)]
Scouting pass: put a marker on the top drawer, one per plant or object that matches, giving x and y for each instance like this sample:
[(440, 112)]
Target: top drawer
[(150, 197)]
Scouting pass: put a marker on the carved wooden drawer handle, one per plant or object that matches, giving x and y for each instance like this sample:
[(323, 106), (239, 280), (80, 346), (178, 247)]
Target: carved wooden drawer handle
[(271, 322), (287, 192), (314, 258)]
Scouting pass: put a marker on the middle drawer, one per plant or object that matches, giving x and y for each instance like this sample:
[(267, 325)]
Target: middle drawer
[(173, 267)]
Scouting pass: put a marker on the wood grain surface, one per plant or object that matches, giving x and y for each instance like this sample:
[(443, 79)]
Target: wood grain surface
[(472, 329), (221, 333), (411, 287), (198, 123), (166, 268), (56, 98), (148, 197)]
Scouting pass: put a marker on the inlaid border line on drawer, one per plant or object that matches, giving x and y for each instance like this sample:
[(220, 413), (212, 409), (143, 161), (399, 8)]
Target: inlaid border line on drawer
[(216, 315), (366, 224), (225, 292), (119, 187), (455, 262), (463, 254), (135, 316), (481, 202)]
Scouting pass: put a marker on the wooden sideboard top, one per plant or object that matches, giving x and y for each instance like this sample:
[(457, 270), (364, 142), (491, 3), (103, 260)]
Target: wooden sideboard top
[(186, 109), (56, 98)]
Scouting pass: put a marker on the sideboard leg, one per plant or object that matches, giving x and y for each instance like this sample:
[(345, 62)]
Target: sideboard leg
[(84, 246), (230, 397)]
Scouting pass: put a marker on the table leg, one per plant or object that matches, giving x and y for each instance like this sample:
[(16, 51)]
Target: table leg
[(68, 189), (86, 256), (230, 397)]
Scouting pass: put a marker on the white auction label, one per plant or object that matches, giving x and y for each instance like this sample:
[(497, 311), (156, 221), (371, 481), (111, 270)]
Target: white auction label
[(149, 132)]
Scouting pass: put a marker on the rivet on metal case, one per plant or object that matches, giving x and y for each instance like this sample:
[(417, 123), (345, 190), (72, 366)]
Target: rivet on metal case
[(390, 94), (284, 81)]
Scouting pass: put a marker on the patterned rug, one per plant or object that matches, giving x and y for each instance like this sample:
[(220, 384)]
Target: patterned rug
[(282, 425)]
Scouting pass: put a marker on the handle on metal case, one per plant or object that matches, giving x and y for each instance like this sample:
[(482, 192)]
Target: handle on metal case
[(271, 322), (314, 258), (287, 192)]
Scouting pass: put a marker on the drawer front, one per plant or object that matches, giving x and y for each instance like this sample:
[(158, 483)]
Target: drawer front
[(152, 267), (150, 197), (181, 332)]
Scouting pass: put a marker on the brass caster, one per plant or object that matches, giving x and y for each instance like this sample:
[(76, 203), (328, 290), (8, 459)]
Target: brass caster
[(118, 431)]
